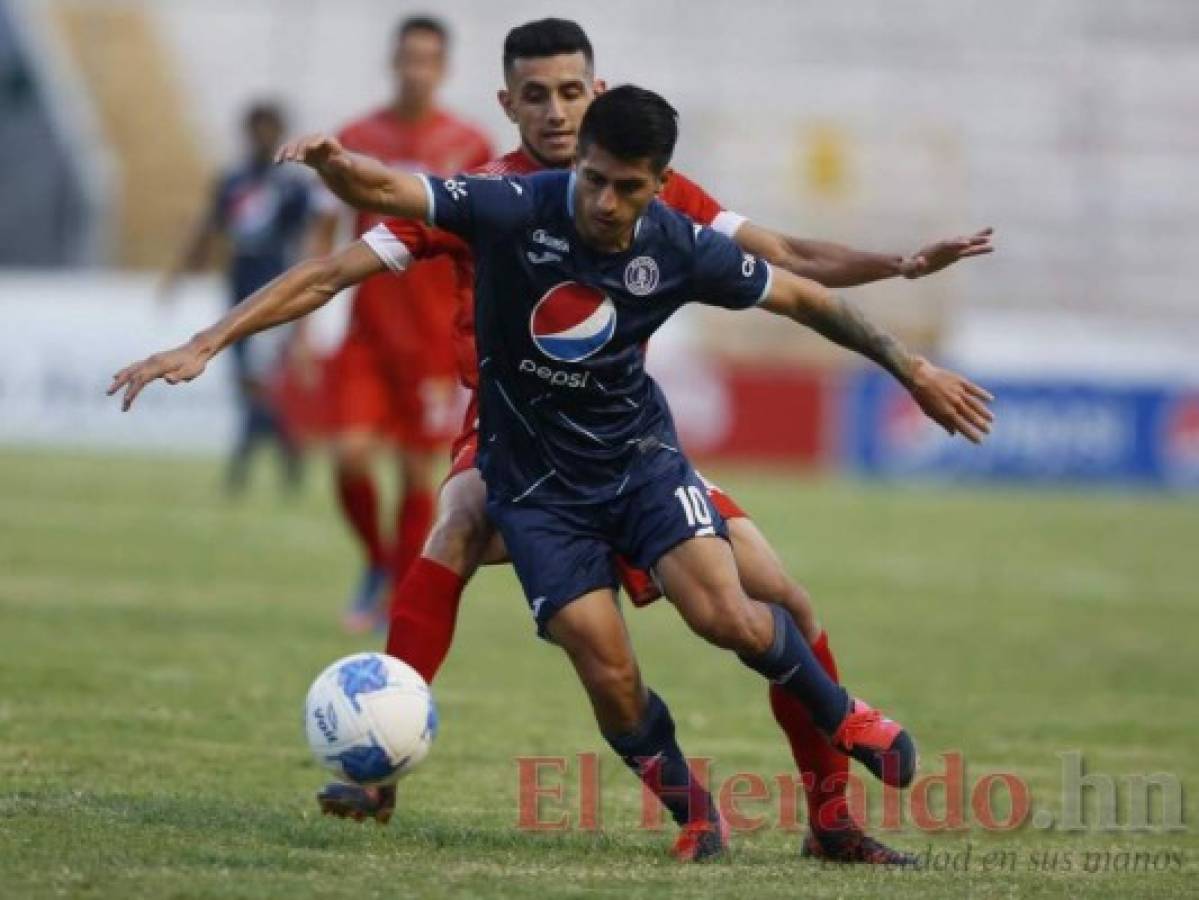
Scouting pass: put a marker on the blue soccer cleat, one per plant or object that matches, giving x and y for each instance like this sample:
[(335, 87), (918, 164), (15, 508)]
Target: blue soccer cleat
[(363, 613)]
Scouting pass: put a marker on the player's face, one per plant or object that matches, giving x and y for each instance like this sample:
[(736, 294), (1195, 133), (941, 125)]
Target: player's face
[(546, 97), (263, 136), (610, 195), (419, 67)]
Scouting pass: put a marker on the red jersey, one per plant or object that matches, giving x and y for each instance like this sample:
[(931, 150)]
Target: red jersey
[(407, 314), (424, 242)]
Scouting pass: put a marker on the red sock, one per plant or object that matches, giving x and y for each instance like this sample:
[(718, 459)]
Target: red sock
[(823, 768), (413, 521), (424, 609), (360, 505)]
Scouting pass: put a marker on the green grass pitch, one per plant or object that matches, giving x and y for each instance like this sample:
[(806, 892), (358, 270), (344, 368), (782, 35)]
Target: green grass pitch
[(156, 642)]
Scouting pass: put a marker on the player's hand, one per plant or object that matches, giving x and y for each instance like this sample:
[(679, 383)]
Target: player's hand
[(321, 152), (953, 402), (936, 257), (173, 366)]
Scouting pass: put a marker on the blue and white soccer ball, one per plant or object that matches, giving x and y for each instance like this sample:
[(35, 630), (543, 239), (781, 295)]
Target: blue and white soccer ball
[(370, 718)]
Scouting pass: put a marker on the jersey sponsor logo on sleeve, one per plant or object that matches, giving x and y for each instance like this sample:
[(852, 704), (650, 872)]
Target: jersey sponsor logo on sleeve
[(572, 322), (641, 276), (456, 188), (541, 236)]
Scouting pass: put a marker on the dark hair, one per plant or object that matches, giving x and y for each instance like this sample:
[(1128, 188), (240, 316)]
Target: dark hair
[(265, 111), (631, 123), (431, 24), (546, 37)]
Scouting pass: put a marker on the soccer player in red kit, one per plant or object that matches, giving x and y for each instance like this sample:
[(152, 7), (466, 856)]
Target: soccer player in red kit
[(394, 377), (549, 84)]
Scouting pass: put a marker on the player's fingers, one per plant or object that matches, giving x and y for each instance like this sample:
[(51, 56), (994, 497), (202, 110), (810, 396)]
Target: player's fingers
[(978, 407), (968, 430), (977, 250), (976, 391), (131, 392), (118, 381), (978, 422)]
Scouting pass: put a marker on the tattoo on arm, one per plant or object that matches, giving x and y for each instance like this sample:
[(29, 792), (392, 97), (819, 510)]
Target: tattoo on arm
[(842, 322)]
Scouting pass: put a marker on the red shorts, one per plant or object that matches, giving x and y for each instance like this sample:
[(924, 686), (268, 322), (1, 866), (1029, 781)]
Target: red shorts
[(374, 393), (638, 583)]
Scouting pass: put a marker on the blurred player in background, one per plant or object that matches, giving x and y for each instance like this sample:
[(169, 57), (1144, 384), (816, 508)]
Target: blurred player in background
[(260, 211), (394, 382)]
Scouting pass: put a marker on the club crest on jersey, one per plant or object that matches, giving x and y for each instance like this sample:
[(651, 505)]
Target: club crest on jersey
[(641, 276), (572, 321)]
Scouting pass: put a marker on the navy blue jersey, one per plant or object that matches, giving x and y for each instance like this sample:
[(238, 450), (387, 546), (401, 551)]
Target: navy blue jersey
[(262, 211), (568, 413)]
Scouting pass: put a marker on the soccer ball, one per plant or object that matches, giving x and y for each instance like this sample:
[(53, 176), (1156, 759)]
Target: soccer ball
[(370, 718)]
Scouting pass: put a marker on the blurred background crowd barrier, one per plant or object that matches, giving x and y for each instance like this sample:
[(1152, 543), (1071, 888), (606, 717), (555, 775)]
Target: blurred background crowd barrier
[(1071, 126)]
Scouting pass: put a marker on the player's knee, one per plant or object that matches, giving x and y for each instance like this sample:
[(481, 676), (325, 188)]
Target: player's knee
[(353, 456), (798, 603), (459, 538), (726, 620), (417, 469)]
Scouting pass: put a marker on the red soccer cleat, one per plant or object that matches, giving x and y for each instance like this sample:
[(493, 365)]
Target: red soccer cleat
[(701, 841), (883, 746)]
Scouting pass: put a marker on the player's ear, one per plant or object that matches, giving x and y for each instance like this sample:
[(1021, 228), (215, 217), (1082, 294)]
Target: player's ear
[(662, 179), (598, 86), (505, 99)]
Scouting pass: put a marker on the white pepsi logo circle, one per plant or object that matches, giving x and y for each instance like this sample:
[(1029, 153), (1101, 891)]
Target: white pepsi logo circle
[(641, 276), (572, 321)]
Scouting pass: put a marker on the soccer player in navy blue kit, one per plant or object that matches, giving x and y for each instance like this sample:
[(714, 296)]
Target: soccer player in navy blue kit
[(574, 273), (261, 211)]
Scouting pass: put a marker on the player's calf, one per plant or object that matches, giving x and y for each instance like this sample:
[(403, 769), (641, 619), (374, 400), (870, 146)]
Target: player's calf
[(879, 743)]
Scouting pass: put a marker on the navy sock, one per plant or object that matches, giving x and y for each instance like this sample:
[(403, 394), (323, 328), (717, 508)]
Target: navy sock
[(653, 754), (790, 664)]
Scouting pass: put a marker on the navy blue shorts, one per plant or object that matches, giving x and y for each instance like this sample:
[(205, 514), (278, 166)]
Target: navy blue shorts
[(561, 553)]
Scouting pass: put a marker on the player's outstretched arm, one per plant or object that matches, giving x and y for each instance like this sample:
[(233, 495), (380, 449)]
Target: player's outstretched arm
[(953, 402), (358, 180), (835, 265), (295, 293)]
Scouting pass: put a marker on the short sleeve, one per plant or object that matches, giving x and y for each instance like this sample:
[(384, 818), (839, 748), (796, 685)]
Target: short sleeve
[(386, 245), (684, 195), (725, 276), (397, 242), (476, 205)]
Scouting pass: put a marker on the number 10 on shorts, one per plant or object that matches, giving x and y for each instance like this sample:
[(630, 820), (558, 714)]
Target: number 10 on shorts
[(695, 508)]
